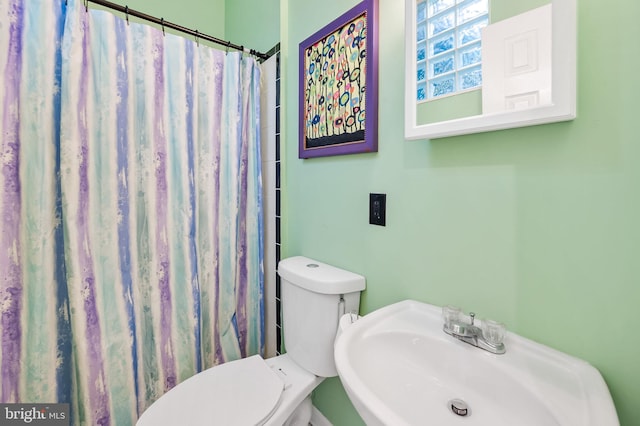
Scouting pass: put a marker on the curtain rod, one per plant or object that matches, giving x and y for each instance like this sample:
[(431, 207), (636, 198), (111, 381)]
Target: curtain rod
[(166, 24)]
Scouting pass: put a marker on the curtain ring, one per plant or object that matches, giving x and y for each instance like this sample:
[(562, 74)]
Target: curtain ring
[(86, 5), (162, 25), (126, 14), (197, 38), (228, 46)]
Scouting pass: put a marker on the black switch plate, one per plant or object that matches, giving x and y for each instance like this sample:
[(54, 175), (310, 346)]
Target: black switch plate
[(377, 209)]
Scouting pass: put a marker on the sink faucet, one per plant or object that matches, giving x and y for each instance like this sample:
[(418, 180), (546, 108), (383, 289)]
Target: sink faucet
[(472, 334)]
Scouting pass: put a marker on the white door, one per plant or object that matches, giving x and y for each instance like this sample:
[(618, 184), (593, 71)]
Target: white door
[(516, 62)]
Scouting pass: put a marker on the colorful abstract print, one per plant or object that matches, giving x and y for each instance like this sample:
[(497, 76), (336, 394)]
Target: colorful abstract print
[(335, 70)]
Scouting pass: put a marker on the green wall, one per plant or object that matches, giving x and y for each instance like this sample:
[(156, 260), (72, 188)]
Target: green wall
[(206, 16), (538, 227), (253, 23)]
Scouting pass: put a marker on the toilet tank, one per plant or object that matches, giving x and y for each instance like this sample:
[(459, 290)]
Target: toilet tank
[(314, 296)]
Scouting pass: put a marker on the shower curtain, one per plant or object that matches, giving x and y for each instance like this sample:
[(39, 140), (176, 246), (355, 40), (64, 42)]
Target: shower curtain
[(130, 210)]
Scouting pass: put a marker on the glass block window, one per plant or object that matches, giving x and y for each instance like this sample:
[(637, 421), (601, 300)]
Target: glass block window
[(448, 46)]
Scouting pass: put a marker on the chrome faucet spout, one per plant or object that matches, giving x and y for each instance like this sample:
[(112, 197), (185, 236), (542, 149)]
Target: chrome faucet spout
[(472, 334)]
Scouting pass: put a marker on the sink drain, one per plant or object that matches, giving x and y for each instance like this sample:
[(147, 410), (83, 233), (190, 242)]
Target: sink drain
[(459, 407)]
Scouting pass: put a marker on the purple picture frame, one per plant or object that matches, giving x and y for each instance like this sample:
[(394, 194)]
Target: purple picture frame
[(338, 72)]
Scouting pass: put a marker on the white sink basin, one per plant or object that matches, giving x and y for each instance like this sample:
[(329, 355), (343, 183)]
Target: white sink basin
[(399, 368)]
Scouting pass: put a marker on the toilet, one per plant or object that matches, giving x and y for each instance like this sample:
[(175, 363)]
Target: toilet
[(274, 391)]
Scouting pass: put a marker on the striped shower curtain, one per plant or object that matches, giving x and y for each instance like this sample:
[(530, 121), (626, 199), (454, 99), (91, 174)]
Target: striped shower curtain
[(130, 210)]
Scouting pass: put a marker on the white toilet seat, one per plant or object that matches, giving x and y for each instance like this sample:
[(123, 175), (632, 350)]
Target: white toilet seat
[(243, 392)]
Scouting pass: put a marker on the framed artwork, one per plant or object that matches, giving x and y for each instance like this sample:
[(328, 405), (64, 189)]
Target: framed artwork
[(339, 85)]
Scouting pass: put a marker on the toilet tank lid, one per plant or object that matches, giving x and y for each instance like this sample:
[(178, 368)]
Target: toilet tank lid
[(319, 277)]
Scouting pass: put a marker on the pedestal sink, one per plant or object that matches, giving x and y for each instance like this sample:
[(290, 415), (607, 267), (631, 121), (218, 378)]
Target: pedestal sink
[(399, 368)]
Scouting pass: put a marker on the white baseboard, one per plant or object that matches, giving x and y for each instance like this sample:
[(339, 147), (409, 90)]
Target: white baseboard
[(318, 419)]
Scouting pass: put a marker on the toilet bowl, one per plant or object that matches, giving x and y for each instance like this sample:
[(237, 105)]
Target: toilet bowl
[(274, 391), (249, 391)]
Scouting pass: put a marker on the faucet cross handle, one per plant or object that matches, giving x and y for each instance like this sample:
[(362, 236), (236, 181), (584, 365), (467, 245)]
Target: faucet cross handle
[(472, 316)]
